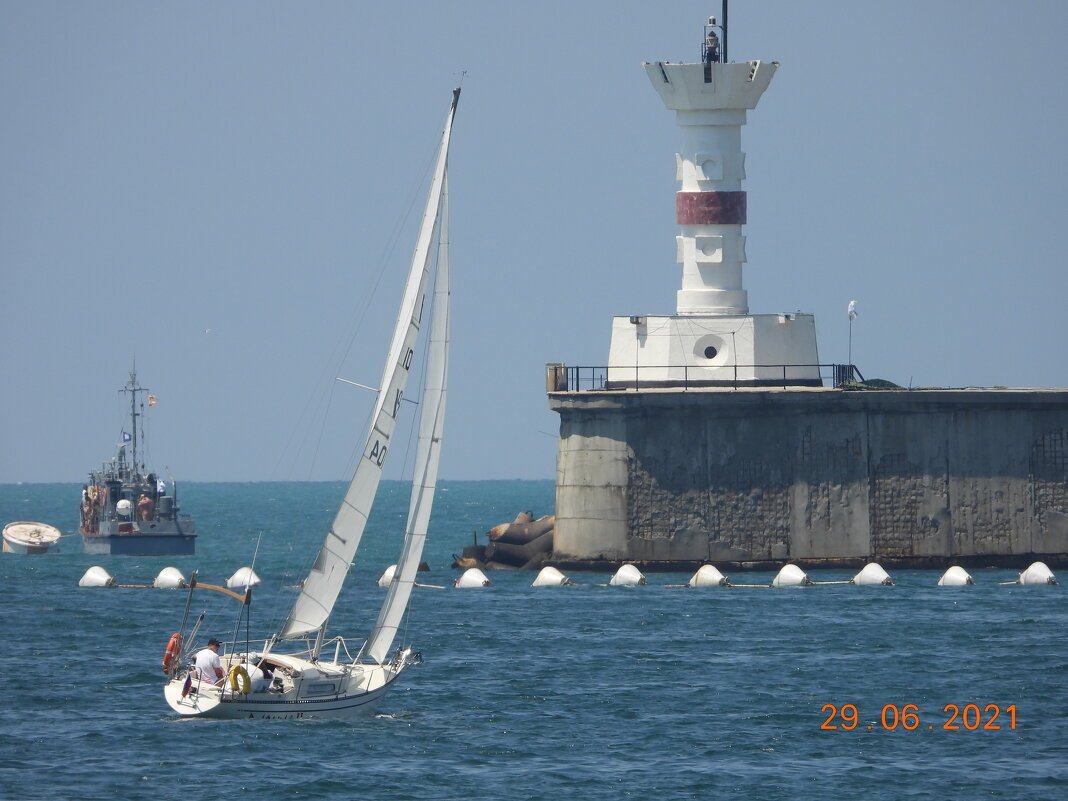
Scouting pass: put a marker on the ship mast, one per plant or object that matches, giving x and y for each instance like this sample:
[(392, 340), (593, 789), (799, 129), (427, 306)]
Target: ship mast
[(133, 389)]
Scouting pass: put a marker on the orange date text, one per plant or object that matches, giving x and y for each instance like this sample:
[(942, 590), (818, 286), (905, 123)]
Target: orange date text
[(954, 717)]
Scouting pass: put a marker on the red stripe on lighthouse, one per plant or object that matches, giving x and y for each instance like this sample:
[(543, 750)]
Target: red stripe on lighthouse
[(710, 208)]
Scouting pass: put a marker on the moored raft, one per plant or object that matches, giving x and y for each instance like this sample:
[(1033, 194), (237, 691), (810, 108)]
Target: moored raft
[(26, 537)]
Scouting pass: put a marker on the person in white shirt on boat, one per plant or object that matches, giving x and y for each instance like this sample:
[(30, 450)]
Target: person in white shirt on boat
[(261, 676), (208, 664)]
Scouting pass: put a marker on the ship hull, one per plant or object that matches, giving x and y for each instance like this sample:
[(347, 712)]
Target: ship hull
[(140, 544), (357, 697)]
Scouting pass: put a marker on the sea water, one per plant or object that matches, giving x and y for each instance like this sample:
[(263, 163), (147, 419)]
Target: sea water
[(590, 692)]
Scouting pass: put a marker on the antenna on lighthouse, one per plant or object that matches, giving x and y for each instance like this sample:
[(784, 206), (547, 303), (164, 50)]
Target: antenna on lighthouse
[(725, 59)]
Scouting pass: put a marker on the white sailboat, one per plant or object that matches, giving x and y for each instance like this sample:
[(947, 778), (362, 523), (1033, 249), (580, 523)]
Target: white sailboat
[(323, 679)]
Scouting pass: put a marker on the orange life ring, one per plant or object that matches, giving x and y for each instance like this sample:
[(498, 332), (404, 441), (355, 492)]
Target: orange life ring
[(174, 645)]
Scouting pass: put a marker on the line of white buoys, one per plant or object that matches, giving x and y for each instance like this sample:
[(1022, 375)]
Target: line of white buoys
[(170, 578), (551, 577), (956, 576), (387, 576), (1037, 573), (872, 575), (708, 576), (244, 577), (791, 576), (627, 576), (472, 577), (96, 576)]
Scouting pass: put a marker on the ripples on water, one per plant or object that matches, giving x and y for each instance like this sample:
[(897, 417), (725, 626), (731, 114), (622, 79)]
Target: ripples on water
[(589, 692)]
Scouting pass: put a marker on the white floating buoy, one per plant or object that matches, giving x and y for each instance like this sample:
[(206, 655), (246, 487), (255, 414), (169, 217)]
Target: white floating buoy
[(472, 577), (627, 576), (551, 577), (708, 576), (96, 576), (1037, 573), (791, 576), (170, 578), (243, 577), (387, 576), (956, 576), (124, 508), (872, 575)]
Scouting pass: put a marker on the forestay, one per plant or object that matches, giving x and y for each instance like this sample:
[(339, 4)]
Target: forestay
[(428, 452), (320, 589)]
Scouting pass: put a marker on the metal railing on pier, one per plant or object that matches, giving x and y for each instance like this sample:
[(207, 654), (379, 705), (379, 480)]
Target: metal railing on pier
[(566, 378)]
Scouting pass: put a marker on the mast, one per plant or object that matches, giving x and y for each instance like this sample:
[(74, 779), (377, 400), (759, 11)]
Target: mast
[(133, 389), (319, 592)]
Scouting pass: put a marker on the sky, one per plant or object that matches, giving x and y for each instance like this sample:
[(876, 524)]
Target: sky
[(227, 195)]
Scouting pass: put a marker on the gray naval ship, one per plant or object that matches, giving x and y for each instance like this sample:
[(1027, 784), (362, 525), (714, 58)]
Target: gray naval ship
[(127, 511)]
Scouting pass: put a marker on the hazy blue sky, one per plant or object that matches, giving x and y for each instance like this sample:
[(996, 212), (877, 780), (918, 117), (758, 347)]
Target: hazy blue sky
[(245, 167)]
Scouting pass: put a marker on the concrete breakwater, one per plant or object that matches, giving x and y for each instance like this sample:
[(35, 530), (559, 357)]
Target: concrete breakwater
[(822, 477)]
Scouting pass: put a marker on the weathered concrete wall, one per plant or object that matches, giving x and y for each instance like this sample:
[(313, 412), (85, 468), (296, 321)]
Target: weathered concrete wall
[(921, 477)]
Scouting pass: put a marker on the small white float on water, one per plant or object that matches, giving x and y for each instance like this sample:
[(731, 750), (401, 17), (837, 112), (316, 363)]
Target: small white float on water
[(872, 575), (472, 577), (708, 576), (387, 576), (1037, 573), (170, 578), (791, 576), (627, 576), (551, 577), (243, 577), (96, 576), (956, 576)]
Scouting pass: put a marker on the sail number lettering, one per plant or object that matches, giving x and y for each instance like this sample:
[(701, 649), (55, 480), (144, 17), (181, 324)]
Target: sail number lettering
[(378, 453), (396, 403), (407, 363)]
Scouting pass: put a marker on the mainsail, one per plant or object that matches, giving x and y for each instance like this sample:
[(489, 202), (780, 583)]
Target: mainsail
[(427, 456), (320, 589)]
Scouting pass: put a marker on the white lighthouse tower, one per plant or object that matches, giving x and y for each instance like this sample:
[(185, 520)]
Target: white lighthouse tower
[(712, 339)]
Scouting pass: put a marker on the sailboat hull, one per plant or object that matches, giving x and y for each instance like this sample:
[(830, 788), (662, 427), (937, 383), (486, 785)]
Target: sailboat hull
[(356, 695)]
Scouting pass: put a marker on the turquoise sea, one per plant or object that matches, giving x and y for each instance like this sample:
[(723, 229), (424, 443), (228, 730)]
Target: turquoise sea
[(590, 692)]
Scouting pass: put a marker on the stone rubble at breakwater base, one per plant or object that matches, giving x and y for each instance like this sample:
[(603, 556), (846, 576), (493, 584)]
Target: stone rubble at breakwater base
[(523, 544)]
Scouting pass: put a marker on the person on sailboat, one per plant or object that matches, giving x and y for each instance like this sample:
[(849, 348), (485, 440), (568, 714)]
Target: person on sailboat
[(261, 676), (208, 664)]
